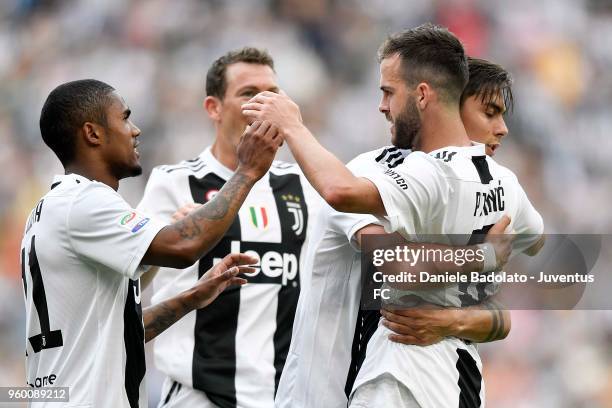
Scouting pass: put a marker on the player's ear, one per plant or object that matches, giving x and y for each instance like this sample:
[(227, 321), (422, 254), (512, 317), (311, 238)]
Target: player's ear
[(212, 105), (423, 95), (92, 133)]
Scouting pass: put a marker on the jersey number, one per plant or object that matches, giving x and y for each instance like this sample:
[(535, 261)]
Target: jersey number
[(47, 338), (477, 237)]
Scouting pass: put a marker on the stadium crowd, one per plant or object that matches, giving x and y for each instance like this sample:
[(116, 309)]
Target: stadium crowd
[(156, 53)]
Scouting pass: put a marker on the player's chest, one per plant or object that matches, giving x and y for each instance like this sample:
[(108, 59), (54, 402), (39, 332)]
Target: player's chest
[(275, 210)]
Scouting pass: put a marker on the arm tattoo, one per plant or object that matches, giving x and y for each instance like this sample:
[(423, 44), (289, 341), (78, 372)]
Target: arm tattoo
[(497, 328), (158, 318), (231, 196)]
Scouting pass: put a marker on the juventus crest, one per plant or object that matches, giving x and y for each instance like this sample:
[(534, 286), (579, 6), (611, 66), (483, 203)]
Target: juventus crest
[(294, 206)]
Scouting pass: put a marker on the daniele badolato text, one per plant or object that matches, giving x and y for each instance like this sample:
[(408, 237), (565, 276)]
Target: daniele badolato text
[(478, 277)]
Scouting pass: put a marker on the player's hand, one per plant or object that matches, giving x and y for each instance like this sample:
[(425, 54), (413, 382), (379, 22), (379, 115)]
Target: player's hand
[(257, 148), (184, 211), (424, 326), (219, 277), (276, 108), (501, 241)]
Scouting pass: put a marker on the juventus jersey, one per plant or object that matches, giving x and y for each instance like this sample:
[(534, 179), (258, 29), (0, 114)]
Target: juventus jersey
[(80, 264), (454, 190), (234, 350), (319, 365)]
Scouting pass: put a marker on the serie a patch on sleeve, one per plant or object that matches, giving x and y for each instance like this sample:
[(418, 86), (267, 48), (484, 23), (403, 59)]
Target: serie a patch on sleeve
[(133, 221)]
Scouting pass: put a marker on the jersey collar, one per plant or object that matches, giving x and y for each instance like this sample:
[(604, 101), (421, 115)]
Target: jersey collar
[(77, 178), (476, 149), (218, 168)]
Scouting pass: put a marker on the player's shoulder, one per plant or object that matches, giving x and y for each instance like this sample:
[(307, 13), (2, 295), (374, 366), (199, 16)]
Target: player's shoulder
[(389, 156), (71, 186), (279, 167), (182, 168)]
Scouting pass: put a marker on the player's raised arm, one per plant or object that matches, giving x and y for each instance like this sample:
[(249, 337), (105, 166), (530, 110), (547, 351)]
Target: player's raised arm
[(327, 174), (182, 243)]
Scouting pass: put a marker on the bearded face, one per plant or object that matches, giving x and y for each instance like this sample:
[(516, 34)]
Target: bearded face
[(406, 125)]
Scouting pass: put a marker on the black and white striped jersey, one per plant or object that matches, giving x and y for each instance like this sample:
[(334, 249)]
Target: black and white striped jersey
[(234, 349), (80, 264)]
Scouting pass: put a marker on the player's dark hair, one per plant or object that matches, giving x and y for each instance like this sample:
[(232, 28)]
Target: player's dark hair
[(67, 108), (430, 53), (487, 80), (216, 82)]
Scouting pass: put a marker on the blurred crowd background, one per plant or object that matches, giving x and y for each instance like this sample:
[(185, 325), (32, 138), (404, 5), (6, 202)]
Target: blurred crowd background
[(156, 54)]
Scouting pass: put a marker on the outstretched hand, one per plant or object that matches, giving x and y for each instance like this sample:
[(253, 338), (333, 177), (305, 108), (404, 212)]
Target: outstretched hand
[(219, 277)]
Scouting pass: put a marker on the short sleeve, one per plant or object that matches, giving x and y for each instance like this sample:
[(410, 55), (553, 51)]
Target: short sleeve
[(103, 228), (410, 192), (348, 224), (161, 198), (528, 225)]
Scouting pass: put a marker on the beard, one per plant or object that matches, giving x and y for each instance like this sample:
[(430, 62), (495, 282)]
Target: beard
[(407, 126), (121, 171)]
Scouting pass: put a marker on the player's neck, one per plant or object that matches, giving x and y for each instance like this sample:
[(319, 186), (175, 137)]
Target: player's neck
[(443, 128), (93, 172), (225, 152)]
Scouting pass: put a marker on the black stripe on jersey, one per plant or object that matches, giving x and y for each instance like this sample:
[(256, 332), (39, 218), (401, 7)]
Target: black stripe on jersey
[(469, 381), (293, 216), (173, 388), (47, 338), (367, 322), (25, 285), (57, 183), (133, 337), (480, 162), (478, 237), (384, 153), (214, 354)]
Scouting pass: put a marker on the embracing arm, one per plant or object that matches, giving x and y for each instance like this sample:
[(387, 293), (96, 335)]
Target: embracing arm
[(424, 326), (493, 255)]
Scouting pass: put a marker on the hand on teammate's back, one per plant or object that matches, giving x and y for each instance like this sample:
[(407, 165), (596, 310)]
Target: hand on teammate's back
[(219, 277), (276, 108), (501, 240), (257, 148)]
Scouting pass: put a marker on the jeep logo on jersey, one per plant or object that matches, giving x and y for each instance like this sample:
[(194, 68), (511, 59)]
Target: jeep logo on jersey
[(273, 264), (259, 217), (295, 208)]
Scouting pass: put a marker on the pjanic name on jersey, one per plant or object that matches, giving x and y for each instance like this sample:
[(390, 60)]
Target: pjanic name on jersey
[(489, 201)]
